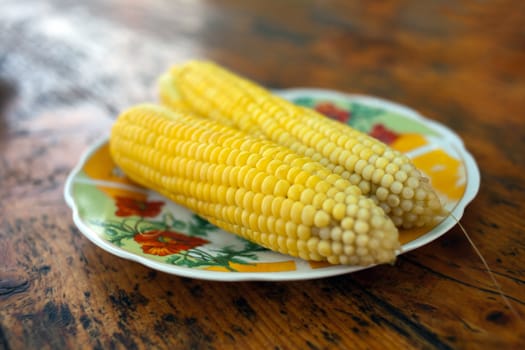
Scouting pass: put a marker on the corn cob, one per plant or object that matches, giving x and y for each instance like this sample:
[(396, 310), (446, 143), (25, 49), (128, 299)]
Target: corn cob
[(255, 188), (169, 94), (385, 175)]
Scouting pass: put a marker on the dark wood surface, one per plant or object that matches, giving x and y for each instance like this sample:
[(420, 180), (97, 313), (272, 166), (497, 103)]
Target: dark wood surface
[(68, 67)]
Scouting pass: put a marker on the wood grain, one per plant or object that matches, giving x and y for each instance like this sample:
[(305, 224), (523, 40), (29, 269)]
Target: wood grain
[(67, 68)]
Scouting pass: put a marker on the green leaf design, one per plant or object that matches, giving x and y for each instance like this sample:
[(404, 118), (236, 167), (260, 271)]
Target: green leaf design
[(116, 231), (219, 257), (199, 226), (305, 102), (171, 222), (251, 246), (363, 117)]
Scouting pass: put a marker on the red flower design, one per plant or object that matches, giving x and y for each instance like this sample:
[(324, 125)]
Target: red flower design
[(332, 111), (130, 206), (382, 133), (164, 243)]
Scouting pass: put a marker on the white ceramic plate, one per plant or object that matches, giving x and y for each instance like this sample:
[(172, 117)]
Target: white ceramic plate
[(140, 225)]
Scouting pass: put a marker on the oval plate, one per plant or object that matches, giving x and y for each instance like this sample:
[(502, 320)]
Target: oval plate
[(140, 225)]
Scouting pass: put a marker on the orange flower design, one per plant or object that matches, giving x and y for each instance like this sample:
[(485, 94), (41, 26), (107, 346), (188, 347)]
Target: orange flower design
[(332, 111), (383, 134), (164, 243), (131, 206)]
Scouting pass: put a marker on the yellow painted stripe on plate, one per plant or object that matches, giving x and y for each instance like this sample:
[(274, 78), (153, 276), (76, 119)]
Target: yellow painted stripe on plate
[(408, 142), (279, 266), (446, 173)]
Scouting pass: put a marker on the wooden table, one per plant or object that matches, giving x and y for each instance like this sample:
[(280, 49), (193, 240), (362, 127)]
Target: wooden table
[(67, 68)]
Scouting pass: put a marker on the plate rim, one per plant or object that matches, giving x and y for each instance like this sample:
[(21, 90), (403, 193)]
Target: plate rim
[(471, 189)]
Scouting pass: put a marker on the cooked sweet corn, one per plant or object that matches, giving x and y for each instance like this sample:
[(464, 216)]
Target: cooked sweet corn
[(385, 175), (169, 94), (255, 188)]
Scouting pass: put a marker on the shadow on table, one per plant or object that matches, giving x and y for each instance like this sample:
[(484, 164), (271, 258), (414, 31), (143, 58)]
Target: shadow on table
[(7, 95)]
